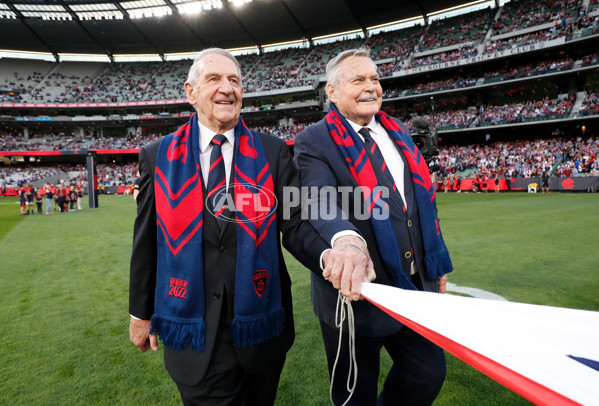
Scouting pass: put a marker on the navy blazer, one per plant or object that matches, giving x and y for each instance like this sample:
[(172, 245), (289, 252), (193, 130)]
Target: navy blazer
[(299, 238), (320, 163)]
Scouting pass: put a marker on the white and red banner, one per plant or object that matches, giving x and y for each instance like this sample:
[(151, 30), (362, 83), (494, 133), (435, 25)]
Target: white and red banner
[(548, 355)]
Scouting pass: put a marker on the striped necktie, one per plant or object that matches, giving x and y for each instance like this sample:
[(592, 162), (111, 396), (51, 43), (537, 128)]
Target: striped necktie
[(377, 160), (216, 176)]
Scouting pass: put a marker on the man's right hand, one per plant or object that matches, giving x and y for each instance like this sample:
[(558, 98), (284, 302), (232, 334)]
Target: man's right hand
[(348, 265), (139, 334)]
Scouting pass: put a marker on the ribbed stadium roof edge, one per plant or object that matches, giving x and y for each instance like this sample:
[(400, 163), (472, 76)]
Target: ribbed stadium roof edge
[(253, 24)]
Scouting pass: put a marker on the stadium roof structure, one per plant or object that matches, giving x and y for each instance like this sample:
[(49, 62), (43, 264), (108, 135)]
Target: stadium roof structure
[(177, 26)]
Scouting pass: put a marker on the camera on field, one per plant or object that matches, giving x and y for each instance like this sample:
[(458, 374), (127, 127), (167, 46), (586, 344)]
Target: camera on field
[(425, 137)]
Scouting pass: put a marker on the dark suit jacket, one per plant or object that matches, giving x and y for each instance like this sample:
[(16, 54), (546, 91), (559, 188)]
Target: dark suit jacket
[(299, 237), (320, 163)]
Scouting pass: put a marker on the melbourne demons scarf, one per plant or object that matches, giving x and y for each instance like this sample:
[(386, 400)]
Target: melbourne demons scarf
[(436, 257), (180, 295)]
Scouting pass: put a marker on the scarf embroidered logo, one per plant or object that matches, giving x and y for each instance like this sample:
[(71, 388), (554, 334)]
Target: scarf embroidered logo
[(260, 281), (178, 288)]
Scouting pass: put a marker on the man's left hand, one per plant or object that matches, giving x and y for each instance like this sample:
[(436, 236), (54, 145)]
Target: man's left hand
[(443, 284), (139, 334)]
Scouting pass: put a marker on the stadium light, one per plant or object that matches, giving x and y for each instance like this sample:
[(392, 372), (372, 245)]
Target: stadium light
[(395, 25), (180, 56), (137, 58), (463, 8), (192, 7), (83, 58), (239, 3), (98, 11), (244, 50), (323, 39), (41, 56), (5, 12)]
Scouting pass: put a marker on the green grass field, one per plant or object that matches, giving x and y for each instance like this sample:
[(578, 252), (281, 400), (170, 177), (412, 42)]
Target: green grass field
[(64, 293)]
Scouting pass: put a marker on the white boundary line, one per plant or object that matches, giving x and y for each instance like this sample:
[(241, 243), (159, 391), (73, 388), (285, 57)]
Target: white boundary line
[(474, 292)]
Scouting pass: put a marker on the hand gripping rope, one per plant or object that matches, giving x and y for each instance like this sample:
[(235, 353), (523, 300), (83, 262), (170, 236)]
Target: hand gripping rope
[(340, 315)]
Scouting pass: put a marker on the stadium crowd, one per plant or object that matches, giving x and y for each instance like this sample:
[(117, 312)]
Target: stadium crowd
[(520, 15), (275, 70), (295, 67), (524, 159), (528, 39), (519, 159), (520, 112), (457, 30), (443, 120), (590, 104)]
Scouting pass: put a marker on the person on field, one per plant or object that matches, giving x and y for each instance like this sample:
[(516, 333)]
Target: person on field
[(357, 144), (49, 196), (210, 279), (545, 182)]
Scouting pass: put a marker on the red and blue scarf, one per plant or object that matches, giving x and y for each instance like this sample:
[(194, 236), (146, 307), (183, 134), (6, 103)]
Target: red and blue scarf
[(436, 257), (180, 294)]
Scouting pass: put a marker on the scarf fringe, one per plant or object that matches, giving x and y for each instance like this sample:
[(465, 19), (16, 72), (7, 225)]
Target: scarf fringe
[(176, 333), (437, 264), (249, 331)]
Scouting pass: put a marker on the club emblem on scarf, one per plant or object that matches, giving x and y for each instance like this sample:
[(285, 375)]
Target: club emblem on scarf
[(260, 281)]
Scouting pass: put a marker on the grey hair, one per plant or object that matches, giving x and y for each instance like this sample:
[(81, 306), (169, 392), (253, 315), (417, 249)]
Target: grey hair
[(198, 63), (333, 70)]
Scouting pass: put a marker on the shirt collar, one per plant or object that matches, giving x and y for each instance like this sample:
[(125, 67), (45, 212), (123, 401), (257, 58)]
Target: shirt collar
[(372, 125), (207, 134)]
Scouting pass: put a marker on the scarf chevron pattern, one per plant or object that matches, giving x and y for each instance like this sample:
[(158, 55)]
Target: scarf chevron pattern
[(180, 294), (436, 256)]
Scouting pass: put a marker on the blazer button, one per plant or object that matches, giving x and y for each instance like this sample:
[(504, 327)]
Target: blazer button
[(408, 254), (223, 250), (409, 223), (216, 295)]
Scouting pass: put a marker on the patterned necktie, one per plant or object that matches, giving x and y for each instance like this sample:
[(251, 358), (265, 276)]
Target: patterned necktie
[(377, 160), (216, 176)]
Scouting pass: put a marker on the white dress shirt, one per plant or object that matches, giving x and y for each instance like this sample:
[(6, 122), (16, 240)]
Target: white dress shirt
[(227, 149), (391, 156), (389, 151)]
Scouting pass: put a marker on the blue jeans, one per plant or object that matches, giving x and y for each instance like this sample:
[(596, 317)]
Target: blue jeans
[(48, 205)]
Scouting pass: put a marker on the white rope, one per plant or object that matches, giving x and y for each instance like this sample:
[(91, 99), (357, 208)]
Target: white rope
[(340, 315)]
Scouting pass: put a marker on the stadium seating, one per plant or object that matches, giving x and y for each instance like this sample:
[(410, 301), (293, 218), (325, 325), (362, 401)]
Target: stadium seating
[(462, 40)]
